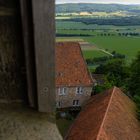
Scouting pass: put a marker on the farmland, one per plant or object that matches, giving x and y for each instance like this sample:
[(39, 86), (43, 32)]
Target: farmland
[(103, 37), (103, 31), (128, 46)]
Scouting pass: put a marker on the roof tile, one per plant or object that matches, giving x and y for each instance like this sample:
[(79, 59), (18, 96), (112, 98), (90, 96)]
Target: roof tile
[(71, 69), (107, 116)]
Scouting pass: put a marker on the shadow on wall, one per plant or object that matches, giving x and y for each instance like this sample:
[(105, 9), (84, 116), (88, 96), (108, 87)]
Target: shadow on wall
[(9, 3), (12, 63)]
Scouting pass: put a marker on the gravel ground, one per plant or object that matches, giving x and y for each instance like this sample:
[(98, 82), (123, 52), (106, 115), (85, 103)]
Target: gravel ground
[(20, 123)]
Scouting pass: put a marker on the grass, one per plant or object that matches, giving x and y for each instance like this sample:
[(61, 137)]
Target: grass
[(129, 46), (91, 54), (87, 32), (61, 24), (63, 126), (60, 17), (125, 45), (92, 68), (59, 39)]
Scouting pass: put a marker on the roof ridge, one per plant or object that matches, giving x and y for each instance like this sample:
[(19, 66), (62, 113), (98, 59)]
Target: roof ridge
[(112, 93)]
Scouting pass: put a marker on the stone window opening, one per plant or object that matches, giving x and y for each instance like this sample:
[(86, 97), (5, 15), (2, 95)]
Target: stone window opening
[(79, 90), (75, 102), (62, 91), (59, 104)]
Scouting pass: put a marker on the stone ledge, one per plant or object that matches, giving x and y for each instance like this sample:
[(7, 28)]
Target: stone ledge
[(18, 122)]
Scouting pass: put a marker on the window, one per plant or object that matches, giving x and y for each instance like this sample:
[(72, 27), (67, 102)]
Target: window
[(75, 102), (79, 90), (62, 91), (58, 104)]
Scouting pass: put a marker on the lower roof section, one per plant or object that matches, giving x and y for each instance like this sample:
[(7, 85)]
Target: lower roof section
[(107, 116)]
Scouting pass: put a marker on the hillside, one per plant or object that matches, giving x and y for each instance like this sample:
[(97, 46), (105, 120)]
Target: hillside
[(89, 7)]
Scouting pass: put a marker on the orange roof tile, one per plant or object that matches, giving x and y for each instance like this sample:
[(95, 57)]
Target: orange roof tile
[(71, 69), (107, 116)]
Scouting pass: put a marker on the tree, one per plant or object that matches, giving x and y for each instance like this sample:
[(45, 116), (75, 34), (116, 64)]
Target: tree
[(134, 82), (116, 71), (101, 88), (113, 52)]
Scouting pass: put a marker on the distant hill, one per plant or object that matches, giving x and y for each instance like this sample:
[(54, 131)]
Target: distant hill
[(90, 7)]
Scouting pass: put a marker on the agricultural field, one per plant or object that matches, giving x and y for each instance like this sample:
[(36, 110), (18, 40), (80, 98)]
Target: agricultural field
[(64, 24), (61, 39), (103, 37), (94, 14), (102, 31), (124, 45), (93, 53), (129, 46)]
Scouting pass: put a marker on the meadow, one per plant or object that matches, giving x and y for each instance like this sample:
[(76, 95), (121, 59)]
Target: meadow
[(93, 53), (103, 37), (64, 24), (129, 46)]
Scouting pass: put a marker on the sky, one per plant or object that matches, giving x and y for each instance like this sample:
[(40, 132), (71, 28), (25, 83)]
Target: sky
[(99, 1)]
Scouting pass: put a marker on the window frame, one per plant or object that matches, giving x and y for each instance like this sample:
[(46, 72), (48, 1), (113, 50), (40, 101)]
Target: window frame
[(79, 90), (75, 103), (62, 91), (58, 104)]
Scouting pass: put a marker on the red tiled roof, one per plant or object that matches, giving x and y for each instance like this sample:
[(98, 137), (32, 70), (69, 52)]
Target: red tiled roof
[(71, 69), (107, 116)]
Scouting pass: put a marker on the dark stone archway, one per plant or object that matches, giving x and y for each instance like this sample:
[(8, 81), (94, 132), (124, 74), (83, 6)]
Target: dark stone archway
[(28, 53), (12, 62)]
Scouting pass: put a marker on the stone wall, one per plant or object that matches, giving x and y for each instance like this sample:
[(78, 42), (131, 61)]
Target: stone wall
[(12, 67), (44, 44), (67, 99)]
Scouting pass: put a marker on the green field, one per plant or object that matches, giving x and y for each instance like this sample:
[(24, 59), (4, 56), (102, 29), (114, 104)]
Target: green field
[(104, 37), (128, 46), (62, 24), (61, 39), (93, 53)]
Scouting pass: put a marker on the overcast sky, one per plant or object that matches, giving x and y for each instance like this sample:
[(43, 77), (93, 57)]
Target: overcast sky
[(100, 1)]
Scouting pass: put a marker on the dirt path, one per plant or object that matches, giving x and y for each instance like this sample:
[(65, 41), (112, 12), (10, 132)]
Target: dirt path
[(20, 123), (106, 52), (88, 46)]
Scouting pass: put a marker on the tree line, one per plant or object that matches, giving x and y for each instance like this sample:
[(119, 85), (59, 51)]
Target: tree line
[(127, 77), (103, 59), (118, 21)]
